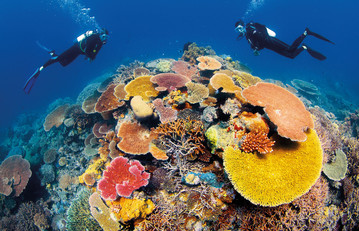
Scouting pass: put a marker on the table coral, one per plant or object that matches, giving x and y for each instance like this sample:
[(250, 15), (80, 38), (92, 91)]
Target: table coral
[(121, 178), (278, 177), (184, 68), (108, 101), (169, 81), (337, 169), (14, 175), (245, 79), (208, 63), (135, 138), (88, 105), (283, 108), (56, 117), (142, 86)]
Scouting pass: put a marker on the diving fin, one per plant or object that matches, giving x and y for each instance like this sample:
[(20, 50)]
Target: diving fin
[(31, 81), (314, 54), (309, 32)]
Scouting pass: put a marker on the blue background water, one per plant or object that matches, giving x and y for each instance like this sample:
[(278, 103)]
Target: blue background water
[(146, 30)]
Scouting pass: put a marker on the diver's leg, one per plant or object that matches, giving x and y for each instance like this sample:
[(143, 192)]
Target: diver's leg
[(298, 41)]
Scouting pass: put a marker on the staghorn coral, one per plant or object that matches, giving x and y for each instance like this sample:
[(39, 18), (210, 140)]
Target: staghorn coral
[(102, 213), (14, 175), (56, 117), (257, 140), (278, 177), (208, 63), (169, 81), (184, 68), (121, 178), (78, 214), (167, 114), (141, 86), (135, 138), (196, 92), (184, 138), (283, 108), (108, 101)]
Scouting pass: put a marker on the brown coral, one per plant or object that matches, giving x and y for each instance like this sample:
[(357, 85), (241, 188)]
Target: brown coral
[(257, 140), (196, 92), (108, 101), (119, 91), (135, 138), (169, 81), (208, 63), (56, 117), (283, 108), (14, 175)]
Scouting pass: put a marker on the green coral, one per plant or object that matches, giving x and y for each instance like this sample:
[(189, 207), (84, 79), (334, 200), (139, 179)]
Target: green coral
[(164, 66), (337, 169), (79, 216)]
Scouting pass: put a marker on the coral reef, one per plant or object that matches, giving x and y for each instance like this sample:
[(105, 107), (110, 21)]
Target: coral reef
[(169, 81), (283, 108), (208, 63), (56, 117)]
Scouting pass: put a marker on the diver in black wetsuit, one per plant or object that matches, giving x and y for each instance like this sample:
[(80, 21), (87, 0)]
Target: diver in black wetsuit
[(88, 44), (259, 37)]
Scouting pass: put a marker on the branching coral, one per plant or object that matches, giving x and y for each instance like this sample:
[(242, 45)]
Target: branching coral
[(184, 136), (257, 140), (121, 178), (278, 177), (283, 109)]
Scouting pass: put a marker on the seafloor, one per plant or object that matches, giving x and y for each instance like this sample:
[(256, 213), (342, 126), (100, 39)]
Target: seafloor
[(196, 143)]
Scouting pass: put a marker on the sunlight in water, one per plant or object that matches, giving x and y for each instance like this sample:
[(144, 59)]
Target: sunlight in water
[(253, 6)]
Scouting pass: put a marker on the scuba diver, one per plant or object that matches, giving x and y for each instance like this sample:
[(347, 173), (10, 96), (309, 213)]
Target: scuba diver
[(259, 37), (88, 44)]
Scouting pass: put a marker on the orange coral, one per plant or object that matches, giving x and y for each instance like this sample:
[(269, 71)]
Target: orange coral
[(108, 101), (254, 121), (157, 153), (283, 108), (135, 138), (109, 146), (56, 117), (141, 86), (222, 80), (208, 63), (257, 140)]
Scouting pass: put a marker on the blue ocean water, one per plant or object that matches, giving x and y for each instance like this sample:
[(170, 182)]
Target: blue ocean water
[(144, 30)]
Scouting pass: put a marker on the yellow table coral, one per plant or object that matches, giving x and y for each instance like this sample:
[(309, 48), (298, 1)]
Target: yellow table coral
[(141, 86), (278, 177)]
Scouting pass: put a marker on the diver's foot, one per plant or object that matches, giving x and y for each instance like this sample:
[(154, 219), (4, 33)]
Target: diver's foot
[(309, 32), (52, 53), (313, 53)]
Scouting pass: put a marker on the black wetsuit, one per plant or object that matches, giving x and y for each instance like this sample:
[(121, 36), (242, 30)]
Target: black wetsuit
[(258, 38), (89, 47)]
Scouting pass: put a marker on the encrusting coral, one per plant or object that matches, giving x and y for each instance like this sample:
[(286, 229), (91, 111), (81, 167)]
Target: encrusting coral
[(283, 108), (278, 177)]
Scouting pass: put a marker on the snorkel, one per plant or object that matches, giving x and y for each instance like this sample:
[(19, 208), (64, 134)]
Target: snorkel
[(240, 28)]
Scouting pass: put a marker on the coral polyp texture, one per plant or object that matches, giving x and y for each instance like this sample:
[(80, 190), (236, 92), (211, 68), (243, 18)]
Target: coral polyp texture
[(279, 177), (283, 108), (56, 117), (121, 178)]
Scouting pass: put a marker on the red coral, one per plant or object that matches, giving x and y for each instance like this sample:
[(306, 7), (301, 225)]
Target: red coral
[(122, 177), (14, 175)]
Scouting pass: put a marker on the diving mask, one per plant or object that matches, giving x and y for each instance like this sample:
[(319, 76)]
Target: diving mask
[(241, 30)]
